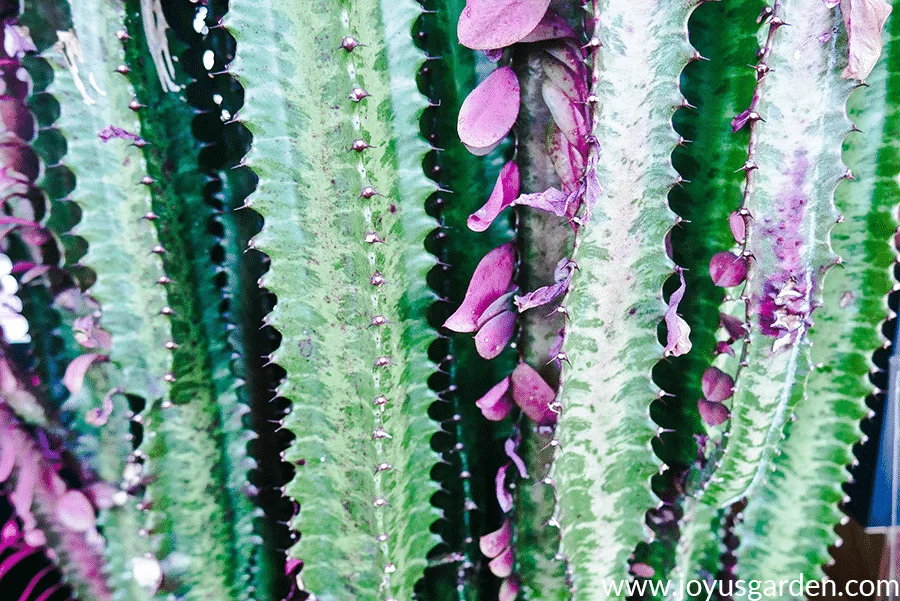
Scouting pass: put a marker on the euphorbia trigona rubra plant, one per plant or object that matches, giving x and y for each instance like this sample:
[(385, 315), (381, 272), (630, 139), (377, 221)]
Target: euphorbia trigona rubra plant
[(390, 300)]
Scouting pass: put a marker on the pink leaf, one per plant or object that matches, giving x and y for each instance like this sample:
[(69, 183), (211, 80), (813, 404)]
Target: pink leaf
[(509, 589), (642, 570), (551, 27), (496, 404), (565, 80), (7, 459), (490, 281), (502, 565), (489, 24), (510, 447), (505, 192), (533, 395), (490, 110), (547, 294), (111, 131), (717, 385), (738, 227), (727, 270), (567, 114), (713, 414), (492, 338), (504, 497), (550, 200), (567, 161), (501, 305), (75, 512), (493, 543), (740, 120), (678, 332), (569, 53), (75, 372), (864, 20), (494, 55), (16, 39)]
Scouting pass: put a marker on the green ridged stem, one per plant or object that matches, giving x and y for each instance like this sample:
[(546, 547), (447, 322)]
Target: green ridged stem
[(469, 503), (118, 242), (297, 106), (788, 527), (205, 508), (605, 462), (796, 152)]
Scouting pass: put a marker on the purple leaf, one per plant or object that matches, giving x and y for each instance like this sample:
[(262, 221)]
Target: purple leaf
[(713, 414), (494, 55), (732, 325), (547, 294), (567, 161), (565, 80), (509, 589), (490, 281), (489, 111), (492, 338), (533, 395), (717, 385), (502, 565), (76, 370), (75, 512), (17, 39), (740, 120), (501, 305), (111, 131), (550, 200), (493, 543), (551, 27), (567, 114), (863, 20), (570, 54), (489, 24), (727, 270), (506, 189), (738, 227), (678, 332), (504, 497), (510, 447), (497, 402)]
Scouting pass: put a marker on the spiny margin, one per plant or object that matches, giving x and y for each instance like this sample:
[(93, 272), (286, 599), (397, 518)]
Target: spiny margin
[(788, 527), (345, 234), (119, 242), (798, 123), (605, 461)]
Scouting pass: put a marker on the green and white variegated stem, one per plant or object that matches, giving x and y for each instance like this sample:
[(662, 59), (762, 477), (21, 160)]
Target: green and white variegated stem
[(789, 524), (794, 164), (344, 231), (93, 96), (605, 461)]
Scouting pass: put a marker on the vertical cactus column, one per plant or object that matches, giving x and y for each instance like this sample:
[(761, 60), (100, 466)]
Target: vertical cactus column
[(605, 461), (777, 537), (337, 150), (798, 123)]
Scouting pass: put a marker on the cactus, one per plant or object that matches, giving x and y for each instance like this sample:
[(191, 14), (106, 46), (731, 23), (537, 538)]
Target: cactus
[(396, 300)]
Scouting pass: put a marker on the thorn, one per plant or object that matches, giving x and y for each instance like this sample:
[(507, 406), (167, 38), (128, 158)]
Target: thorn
[(122, 35), (359, 145), (166, 311), (171, 345), (123, 69), (163, 280), (368, 192), (147, 180), (349, 43), (357, 94), (169, 377), (158, 250), (150, 216), (135, 105)]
